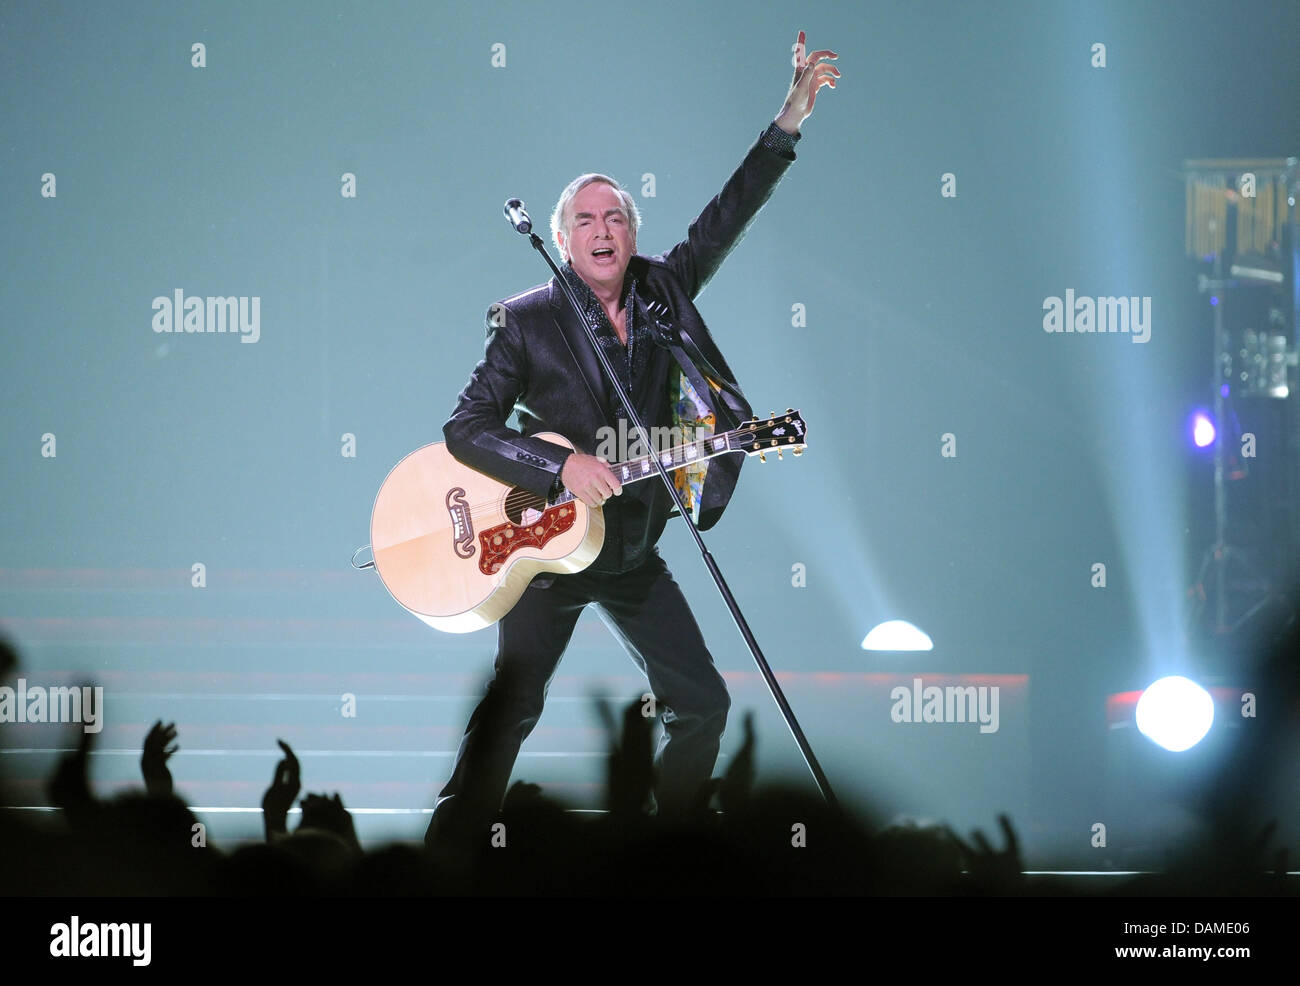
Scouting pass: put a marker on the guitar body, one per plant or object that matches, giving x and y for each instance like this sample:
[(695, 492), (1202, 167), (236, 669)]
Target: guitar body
[(457, 548)]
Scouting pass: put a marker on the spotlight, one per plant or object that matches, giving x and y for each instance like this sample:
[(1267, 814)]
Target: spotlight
[(896, 635), (1203, 430), (1175, 713)]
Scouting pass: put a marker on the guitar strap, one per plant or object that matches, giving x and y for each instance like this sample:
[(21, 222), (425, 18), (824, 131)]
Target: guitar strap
[(679, 342)]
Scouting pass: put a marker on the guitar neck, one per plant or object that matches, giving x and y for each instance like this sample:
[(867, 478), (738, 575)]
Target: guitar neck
[(780, 432), (677, 457)]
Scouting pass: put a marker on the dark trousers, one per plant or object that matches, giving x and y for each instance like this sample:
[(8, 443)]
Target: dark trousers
[(646, 611)]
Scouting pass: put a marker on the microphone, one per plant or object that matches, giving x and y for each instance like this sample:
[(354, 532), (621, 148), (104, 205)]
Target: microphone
[(517, 217)]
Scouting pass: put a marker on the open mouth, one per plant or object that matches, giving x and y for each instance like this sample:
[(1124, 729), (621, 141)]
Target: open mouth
[(603, 253)]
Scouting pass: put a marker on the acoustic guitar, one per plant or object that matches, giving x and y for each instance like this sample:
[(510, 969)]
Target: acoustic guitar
[(457, 548)]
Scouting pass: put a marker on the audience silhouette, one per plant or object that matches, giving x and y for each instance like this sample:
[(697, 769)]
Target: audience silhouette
[(740, 839)]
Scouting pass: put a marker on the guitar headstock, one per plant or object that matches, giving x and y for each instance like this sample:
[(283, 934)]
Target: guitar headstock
[(776, 434)]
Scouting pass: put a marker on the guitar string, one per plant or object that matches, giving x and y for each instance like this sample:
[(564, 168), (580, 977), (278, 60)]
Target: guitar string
[(525, 498), (515, 496)]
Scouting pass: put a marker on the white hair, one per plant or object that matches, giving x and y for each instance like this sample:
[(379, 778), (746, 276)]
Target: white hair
[(560, 218)]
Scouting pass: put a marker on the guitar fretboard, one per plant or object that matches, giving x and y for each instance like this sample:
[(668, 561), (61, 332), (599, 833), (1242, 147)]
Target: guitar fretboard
[(677, 457)]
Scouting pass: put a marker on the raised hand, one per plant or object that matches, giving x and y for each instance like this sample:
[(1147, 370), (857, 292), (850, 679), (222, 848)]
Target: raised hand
[(69, 789), (321, 812), (993, 871), (631, 764), (153, 762), (739, 779), (278, 799), (811, 73)]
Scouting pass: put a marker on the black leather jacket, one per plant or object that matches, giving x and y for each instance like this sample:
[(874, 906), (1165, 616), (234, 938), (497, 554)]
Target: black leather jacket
[(538, 362)]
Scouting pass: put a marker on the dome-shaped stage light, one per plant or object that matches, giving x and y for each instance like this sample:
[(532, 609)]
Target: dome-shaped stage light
[(1175, 713), (896, 635)]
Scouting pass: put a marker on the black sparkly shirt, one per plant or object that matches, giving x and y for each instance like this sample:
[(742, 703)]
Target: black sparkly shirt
[(628, 361)]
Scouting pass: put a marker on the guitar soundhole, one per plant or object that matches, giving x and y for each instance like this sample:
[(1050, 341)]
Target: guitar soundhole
[(523, 507)]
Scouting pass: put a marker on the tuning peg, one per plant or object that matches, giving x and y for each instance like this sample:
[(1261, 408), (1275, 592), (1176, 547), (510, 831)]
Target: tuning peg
[(789, 410), (762, 457), (778, 454), (798, 450)]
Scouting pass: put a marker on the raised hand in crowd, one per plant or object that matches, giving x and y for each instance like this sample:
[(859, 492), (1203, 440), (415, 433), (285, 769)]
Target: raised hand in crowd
[(993, 871), (69, 789), (739, 779), (328, 814), (631, 763), (279, 797), (153, 761)]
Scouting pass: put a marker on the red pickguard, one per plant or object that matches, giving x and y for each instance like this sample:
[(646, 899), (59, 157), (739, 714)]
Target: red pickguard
[(499, 543)]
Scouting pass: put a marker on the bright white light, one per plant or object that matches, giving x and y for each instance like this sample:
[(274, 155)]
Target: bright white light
[(1202, 430), (896, 635), (1175, 713)]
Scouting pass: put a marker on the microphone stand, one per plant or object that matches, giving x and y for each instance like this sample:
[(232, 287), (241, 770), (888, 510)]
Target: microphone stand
[(521, 223)]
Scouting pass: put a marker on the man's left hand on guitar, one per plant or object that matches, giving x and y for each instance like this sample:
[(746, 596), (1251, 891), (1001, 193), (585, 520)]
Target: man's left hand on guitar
[(589, 479)]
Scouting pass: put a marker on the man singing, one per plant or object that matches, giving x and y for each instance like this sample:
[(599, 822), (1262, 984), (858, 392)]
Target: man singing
[(539, 364)]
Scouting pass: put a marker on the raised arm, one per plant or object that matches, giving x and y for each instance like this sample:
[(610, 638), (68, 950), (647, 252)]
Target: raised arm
[(722, 224)]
